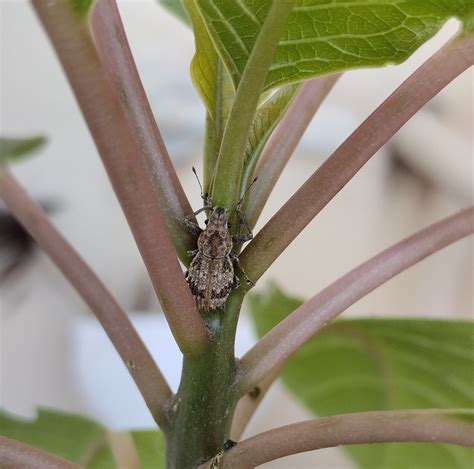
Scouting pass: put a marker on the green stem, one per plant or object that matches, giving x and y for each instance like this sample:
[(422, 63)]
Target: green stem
[(212, 141), (215, 123), (206, 399), (229, 165)]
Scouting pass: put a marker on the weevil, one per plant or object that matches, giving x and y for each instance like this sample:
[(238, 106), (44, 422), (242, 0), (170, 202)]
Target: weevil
[(211, 275)]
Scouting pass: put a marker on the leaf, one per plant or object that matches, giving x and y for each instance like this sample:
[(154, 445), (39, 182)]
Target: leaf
[(175, 7), (268, 116), (380, 364), (80, 440), (325, 36), (229, 167), (81, 6), (74, 438), (150, 446), (211, 80), (264, 123), (14, 148), (215, 87)]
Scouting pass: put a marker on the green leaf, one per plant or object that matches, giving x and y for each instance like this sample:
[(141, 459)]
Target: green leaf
[(215, 87), (326, 36), (81, 6), (175, 7), (211, 82), (150, 446), (14, 148), (264, 123), (360, 365), (74, 438), (80, 440)]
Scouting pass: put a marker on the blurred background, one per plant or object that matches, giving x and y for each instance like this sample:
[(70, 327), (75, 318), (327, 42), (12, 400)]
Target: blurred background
[(52, 352)]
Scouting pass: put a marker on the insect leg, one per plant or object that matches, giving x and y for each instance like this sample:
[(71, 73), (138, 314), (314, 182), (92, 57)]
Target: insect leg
[(236, 282), (235, 258), (242, 237), (192, 253), (190, 224)]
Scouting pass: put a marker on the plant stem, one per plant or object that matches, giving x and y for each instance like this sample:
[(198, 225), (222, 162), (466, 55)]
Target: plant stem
[(123, 450), (212, 143), (228, 171), (249, 402), (443, 426), (215, 86), (122, 334), (119, 67), (284, 141), (215, 123), (17, 455), (122, 158), (290, 334), (207, 396), (449, 62)]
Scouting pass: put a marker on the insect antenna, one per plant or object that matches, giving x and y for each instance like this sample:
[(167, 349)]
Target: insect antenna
[(204, 197), (238, 206), (239, 203)]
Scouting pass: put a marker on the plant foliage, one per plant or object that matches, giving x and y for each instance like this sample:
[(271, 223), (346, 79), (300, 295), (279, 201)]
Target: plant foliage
[(360, 365)]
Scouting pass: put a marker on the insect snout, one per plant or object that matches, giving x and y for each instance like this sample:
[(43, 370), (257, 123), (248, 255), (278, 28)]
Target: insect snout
[(220, 212)]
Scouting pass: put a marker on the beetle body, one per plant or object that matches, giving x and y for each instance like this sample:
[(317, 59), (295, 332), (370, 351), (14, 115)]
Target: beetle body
[(211, 275)]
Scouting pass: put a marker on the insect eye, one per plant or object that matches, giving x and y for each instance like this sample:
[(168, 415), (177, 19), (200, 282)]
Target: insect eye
[(206, 222), (228, 225)]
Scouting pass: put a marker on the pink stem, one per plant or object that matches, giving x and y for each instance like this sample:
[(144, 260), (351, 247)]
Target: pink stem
[(284, 141), (297, 328), (17, 455), (122, 334), (429, 426), (123, 159), (249, 403), (449, 62), (120, 69)]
